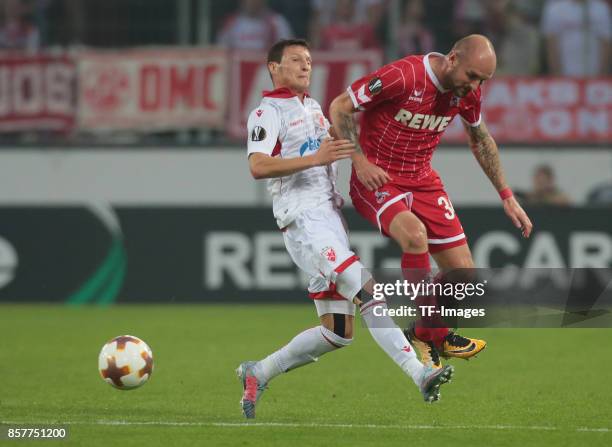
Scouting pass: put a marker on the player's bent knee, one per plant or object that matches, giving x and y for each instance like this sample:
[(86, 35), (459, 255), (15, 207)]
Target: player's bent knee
[(409, 232), (350, 282), (339, 323), (343, 325), (412, 236), (334, 339), (417, 238)]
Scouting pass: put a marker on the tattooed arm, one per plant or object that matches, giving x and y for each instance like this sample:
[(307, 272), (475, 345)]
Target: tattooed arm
[(486, 152), (341, 113)]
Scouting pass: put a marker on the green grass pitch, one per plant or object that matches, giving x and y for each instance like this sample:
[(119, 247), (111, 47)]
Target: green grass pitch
[(530, 387)]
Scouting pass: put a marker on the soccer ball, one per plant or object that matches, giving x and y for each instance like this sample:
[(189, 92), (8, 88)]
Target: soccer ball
[(126, 362)]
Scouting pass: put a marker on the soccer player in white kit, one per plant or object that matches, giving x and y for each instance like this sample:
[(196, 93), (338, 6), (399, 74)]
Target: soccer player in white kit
[(289, 143)]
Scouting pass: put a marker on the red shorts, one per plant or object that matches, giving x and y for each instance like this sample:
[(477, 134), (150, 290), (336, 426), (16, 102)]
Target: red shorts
[(430, 204)]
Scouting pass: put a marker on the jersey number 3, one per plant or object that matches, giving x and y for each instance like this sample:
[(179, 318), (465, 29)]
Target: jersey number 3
[(450, 212)]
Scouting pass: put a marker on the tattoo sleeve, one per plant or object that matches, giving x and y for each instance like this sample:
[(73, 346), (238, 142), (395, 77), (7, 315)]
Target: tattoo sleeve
[(348, 130), (485, 150)]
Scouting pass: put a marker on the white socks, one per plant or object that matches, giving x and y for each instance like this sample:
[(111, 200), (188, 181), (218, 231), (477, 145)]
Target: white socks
[(309, 345), (391, 339), (304, 348)]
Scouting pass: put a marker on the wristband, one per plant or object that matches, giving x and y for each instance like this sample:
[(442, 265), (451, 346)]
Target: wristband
[(505, 193)]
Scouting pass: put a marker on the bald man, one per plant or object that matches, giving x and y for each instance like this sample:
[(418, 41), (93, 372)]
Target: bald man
[(406, 106)]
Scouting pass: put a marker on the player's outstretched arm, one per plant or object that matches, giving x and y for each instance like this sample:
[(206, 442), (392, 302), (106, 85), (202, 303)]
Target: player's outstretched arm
[(341, 113), (331, 150), (486, 152)]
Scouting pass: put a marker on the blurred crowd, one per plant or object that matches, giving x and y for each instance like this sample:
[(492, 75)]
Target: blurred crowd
[(532, 37)]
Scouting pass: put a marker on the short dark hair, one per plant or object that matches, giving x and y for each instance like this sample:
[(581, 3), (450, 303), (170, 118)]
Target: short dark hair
[(275, 54)]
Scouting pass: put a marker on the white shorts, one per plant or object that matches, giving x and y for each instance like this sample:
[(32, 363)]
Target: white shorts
[(318, 243)]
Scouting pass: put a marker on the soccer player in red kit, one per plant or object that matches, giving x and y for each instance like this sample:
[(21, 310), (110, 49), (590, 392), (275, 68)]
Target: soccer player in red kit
[(406, 106)]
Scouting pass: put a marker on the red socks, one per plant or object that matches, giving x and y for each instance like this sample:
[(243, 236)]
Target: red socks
[(419, 266), (416, 268)]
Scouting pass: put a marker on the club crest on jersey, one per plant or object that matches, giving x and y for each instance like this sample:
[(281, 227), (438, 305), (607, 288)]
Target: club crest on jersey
[(381, 196), (375, 86), (258, 134), (454, 102), (259, 113), (309, 145), (329, 254)]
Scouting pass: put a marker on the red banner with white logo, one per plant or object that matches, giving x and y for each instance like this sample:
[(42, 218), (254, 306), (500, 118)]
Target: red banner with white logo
[(156, 89), (152, 89), (544, 110), (36, 93), (332, 72)]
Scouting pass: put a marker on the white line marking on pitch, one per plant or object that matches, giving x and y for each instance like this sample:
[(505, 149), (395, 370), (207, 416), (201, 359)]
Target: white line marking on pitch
[(312, 425)]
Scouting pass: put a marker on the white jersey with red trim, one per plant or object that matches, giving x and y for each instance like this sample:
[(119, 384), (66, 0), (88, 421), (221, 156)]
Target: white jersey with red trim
[(283, 126)]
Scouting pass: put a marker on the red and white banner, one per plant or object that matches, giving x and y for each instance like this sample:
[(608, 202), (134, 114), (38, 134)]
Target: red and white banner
[(36, 93), (332, 72), (544, 110), (152, 89), (157, 89)]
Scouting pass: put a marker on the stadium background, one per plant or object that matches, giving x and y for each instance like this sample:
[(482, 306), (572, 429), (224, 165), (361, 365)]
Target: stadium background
[(122, 154), (122, 126)]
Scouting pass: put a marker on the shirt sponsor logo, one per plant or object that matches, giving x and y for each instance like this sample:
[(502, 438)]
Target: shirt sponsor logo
[(423, 121), (310, 145), (258, 134), (296, 122)]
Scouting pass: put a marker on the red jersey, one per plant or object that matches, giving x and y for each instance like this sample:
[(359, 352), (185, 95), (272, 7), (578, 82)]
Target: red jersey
[(405, 112)]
